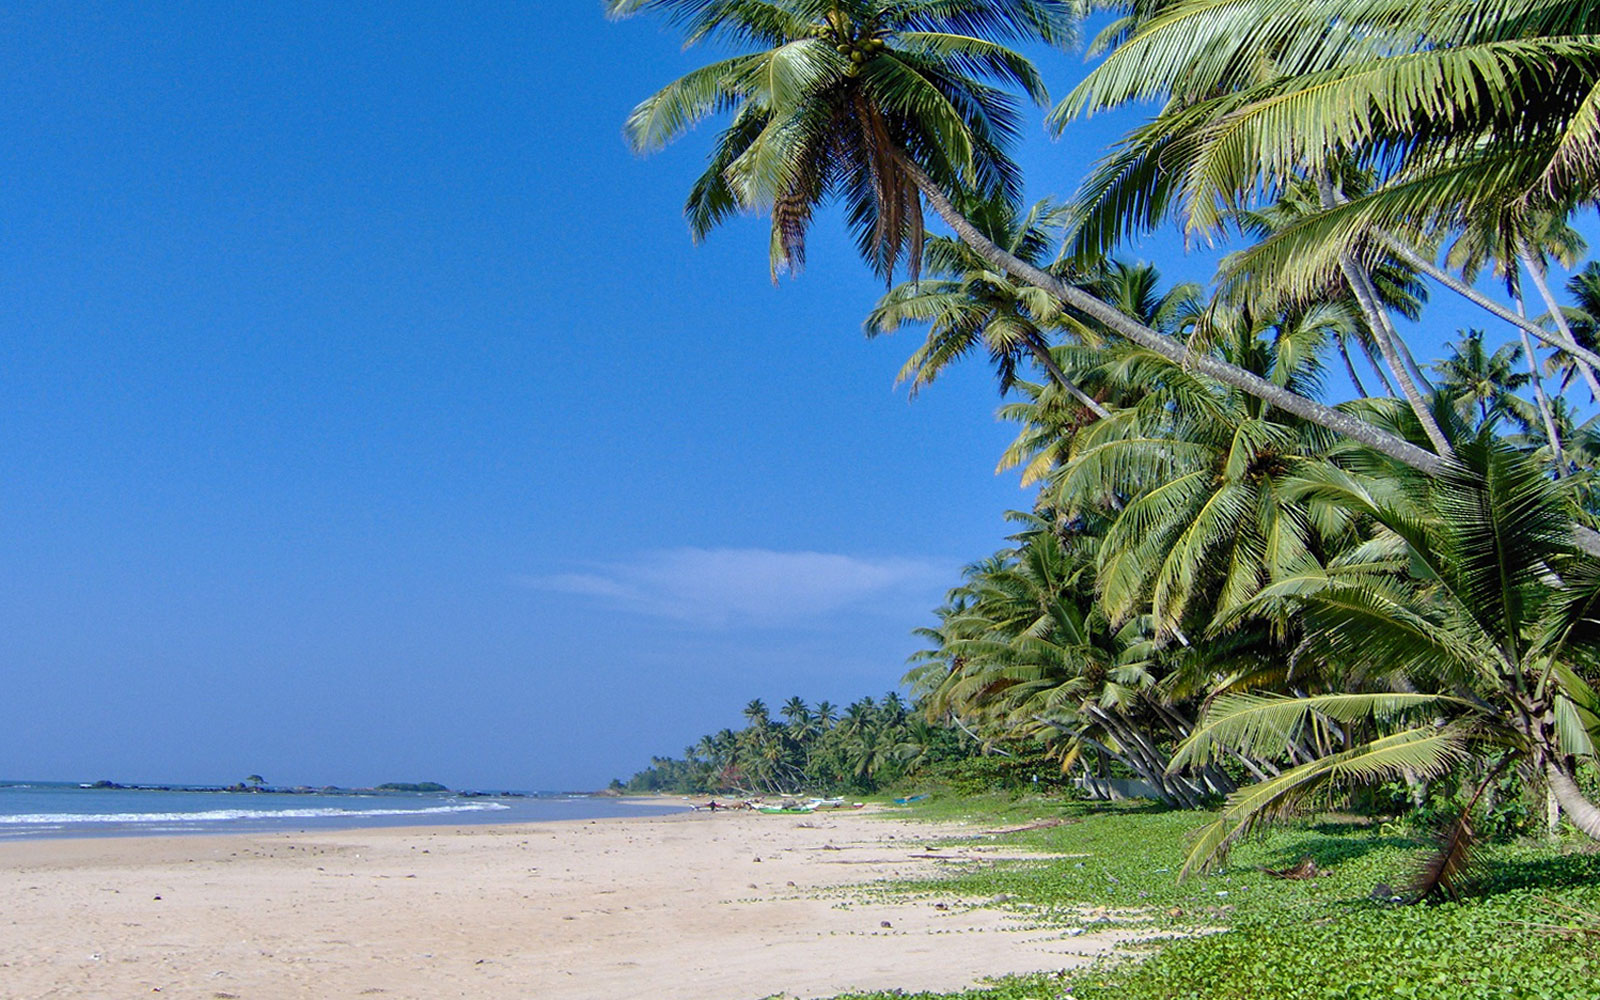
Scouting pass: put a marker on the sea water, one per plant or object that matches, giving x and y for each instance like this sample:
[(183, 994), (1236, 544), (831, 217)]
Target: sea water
[(57, 809)]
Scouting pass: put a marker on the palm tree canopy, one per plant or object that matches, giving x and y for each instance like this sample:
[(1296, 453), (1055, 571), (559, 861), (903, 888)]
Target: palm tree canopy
[(968, 305), (1461, 109), (1470, 598), (837, 97)]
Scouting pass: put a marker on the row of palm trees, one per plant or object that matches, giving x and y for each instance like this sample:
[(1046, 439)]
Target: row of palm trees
[(1231, 582), (868, 745), (1209, 593)]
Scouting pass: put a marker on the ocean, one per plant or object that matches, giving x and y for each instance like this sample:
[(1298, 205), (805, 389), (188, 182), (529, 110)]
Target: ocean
[(59, 809)]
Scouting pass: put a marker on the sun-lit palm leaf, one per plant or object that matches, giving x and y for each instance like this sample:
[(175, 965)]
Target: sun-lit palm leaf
[(978, 58), (1462, 109), (1263, 724), (1281, 126), (1498, 532), (1423, 751), (1378, 628), (742, 22), (1577, 711), (684, 103)]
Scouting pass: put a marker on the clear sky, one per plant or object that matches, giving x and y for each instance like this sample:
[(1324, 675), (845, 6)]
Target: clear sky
[(367, 414)]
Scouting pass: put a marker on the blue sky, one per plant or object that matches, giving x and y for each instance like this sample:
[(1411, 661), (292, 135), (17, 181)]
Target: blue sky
[(369, 415)]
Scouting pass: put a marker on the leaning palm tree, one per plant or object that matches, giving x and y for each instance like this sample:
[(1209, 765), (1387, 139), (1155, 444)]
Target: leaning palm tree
[(882, 104), (1471, 604), (967, 304)]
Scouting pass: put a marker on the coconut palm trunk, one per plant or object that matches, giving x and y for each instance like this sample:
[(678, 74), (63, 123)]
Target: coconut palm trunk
[(1581, 813), (1383, 331), (1350, 369), (1041, 353), (1355, 429), (1175, 350), (1372, 362), (1543, 402), (1377, 366), (1387, 339), (1561, 341), (1537, 272), (1134, 750)]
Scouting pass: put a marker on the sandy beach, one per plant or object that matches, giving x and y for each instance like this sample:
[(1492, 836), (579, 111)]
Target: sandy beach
[(725, 906)]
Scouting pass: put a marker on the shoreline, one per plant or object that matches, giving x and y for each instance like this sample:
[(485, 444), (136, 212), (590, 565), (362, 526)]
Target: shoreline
[(238, 819), (699, 906)]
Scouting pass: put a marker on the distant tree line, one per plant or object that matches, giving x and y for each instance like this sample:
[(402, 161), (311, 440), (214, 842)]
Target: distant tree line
[(870, 745)]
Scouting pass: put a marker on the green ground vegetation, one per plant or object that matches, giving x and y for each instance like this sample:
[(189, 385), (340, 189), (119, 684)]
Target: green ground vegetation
[(1528, 926)]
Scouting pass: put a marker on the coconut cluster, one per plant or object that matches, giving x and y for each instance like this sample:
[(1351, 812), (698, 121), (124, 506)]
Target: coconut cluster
[(857, 49)]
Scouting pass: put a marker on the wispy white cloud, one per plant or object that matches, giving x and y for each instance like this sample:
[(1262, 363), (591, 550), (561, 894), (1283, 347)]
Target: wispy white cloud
[(752, 587)]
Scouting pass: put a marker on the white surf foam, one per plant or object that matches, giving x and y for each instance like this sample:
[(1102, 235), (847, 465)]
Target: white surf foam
[(226, 815)]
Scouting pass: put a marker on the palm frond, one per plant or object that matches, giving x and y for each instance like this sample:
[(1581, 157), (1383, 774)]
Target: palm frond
[(1261, 725), (1452, 864), (1424, 751)]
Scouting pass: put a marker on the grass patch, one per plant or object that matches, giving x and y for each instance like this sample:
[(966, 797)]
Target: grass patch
[(1524, 936)]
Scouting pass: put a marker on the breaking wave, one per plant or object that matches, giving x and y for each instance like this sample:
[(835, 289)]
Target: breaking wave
[(231, 815)]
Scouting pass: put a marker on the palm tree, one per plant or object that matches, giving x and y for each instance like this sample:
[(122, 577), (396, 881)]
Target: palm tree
[(1050, 427), (919, 744), (826, 715), (858, 717), (1415, 94), (800, 722), (1577, 439), (795, 710), (872, 751), (755, 712), (892, 709), (968, 304), (1199, 475), (845, 98), (874, 101), (1474, 596), (1479, 381), (1134, 289)]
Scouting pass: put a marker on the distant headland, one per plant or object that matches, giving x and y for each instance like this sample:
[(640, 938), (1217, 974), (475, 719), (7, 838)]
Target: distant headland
[(255, 784)]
